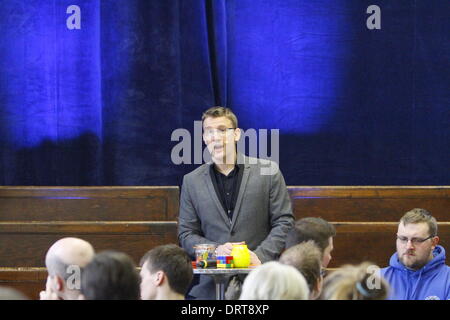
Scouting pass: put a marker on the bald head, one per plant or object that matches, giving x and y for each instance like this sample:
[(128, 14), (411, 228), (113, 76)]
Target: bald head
[(66, 252)]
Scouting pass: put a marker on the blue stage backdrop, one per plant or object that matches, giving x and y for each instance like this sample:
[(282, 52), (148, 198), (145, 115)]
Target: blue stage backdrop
[(91, 91)]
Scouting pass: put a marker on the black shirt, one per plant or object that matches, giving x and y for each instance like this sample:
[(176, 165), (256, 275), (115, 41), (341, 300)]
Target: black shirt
[(227, 187)]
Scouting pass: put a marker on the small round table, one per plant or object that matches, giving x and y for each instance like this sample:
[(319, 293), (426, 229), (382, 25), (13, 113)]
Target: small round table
[(221, 276)]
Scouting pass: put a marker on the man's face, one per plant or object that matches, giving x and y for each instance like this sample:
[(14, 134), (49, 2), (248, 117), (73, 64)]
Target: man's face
[(220, 139), (418, 254), (148, 287), (327, 253)]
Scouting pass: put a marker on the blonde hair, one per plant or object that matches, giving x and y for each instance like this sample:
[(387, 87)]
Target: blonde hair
[(419, 215), (275, 281), (352, 283)]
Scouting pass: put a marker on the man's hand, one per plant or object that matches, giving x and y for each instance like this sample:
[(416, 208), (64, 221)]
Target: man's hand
[(225, 249), (254, 260), (48, 295)]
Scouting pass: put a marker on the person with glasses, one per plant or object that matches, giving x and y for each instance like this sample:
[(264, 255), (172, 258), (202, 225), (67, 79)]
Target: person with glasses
[(232, 200), (417, 271)]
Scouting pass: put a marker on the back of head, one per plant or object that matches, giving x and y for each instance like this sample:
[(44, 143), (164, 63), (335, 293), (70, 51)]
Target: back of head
[(111, 275), (174, 262), (419, 215), (361, 282), (7, 293), (275, 281), (316, 229), (306, 257), (68, 252)]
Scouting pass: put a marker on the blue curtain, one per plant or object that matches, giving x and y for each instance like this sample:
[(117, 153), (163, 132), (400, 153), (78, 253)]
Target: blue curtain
[(97, 105)]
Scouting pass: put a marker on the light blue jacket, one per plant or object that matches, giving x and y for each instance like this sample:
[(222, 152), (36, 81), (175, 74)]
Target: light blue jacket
[(432, 282)]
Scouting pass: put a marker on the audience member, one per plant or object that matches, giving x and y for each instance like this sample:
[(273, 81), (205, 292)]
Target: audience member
[(306, 257), (166, 273), (417, 270), (361, 282), (275, 281), (316, 229), (111, 275), (65, 261), (306, 229)]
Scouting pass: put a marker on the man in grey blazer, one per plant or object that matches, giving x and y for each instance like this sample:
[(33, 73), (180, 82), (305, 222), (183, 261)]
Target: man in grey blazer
[(232, 199)]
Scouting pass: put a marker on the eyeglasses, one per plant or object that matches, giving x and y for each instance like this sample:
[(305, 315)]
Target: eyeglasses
[(221, 132), (415, 241)]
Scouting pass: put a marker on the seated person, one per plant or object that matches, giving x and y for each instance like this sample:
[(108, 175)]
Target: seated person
[(316, 229), (275, 281), (306, 229), (111, 275), (417, 271), (361, 282), (65, 261), (166, 273), (306, 257)]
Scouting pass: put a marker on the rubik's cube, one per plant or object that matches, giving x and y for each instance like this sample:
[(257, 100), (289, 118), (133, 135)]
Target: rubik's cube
[(225, 262)]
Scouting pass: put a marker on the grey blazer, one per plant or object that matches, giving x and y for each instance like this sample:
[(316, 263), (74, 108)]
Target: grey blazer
[(262, 215)]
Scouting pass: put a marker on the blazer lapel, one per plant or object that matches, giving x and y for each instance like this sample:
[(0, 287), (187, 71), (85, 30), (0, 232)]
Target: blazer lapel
[(212, 192), (241, 193)]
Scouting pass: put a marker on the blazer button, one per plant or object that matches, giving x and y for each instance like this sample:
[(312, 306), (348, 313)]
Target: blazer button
[(232, 233)]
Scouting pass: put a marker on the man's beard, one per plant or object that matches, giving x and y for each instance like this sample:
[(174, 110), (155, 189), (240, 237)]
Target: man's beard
[(413, 262)]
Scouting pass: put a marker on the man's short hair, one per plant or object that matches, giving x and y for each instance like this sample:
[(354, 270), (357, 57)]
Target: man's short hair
[(316, 229), (306, 257), (111, 275), (174, 262), (216, 112), (419, 215)]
